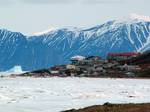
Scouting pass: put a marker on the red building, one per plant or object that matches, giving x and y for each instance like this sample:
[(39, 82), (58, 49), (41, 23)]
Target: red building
[(121, 56)]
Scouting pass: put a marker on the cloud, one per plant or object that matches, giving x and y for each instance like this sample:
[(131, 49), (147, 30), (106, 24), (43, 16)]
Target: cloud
[(73, 1), (46, 1), (11, 2), (5, 2), (103, 1)]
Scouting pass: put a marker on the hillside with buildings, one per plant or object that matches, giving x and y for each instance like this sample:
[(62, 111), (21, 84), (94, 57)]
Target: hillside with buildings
[(123, 65)]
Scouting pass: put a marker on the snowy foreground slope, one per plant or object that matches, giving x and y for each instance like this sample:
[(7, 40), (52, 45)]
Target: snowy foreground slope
[(57, 94), (58, 45)]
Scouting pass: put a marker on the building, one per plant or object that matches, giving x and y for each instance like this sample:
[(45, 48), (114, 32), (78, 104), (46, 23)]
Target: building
[(125, 56), (85, 61), (75, 60), (58, 70), (94, 58)]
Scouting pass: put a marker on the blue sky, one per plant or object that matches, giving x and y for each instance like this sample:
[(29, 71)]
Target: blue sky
[(30, 16)]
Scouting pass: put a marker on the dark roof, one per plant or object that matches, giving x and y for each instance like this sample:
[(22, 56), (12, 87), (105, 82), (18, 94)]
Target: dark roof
[(124, 54), (93, 57)]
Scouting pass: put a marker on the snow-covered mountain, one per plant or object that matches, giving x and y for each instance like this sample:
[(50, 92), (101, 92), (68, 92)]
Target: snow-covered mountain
[(58, 45)]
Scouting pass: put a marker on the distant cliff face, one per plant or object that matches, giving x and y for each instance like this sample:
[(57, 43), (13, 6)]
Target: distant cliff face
[(57, 46)]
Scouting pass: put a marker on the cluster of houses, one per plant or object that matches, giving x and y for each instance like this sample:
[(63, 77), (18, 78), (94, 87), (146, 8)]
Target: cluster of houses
[(116, 65)]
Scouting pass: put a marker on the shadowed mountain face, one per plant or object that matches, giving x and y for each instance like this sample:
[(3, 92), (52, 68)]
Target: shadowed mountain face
[(57, 46)]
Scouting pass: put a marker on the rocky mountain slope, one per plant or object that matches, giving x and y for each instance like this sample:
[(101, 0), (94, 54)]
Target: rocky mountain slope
[(57, 46)]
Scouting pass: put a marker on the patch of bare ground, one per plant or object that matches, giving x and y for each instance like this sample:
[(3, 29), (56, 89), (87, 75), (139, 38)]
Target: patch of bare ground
[(107, 107)]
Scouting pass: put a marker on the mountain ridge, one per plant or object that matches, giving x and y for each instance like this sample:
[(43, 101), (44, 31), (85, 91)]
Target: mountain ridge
[(57, 46)]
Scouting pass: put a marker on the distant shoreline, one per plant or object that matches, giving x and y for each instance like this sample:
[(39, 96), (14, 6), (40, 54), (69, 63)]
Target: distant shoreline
[(134, 78)]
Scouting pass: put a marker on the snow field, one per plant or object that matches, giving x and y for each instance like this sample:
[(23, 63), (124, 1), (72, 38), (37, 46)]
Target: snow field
[(57, 94)]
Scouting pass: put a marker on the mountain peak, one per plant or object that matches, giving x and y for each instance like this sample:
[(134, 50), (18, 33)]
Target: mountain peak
[(44, 32), (52, 29), (57, 46), (139, 17), (133, 18)]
